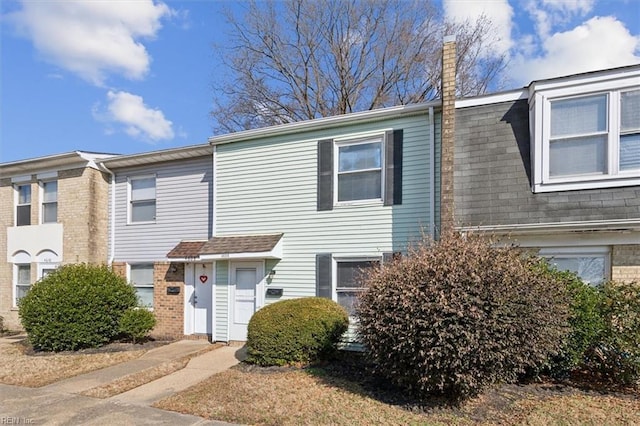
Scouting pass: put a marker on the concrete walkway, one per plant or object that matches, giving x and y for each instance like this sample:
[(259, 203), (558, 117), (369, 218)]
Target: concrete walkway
[(61, 403)]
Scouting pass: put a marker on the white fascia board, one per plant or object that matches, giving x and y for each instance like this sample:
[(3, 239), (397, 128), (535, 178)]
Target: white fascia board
[(237, 256), (533, 228), (496, 98), (588, 78)]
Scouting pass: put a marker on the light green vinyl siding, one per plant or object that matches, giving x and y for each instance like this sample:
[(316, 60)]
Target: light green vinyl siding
[(269, 186), (221, 311)]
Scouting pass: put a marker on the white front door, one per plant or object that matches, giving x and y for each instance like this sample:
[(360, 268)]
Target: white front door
[(246, 279), (202, 298)]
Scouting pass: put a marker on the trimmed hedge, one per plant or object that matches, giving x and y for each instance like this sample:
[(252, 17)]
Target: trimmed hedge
[(296, 331), (74, 307), (458, 315), (136, 323)]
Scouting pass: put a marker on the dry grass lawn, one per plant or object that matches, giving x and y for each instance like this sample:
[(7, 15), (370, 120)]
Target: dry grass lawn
[(251, 395), (18, 368)]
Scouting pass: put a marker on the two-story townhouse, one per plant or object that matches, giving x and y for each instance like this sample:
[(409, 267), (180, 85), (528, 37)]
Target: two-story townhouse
[(158, 199), (53, 211), (299, 209), (555, 166)]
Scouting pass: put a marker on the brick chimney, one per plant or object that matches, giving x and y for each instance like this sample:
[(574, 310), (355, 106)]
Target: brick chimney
[(448, 91)]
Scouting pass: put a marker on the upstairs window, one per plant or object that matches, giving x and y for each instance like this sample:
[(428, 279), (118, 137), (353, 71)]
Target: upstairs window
[(50, 202), (359, 170), (23, 208), (586, 136), (142, 199)]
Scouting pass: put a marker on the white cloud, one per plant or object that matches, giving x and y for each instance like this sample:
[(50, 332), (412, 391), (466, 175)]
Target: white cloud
[(136, 118), (599, 43), (547, 15), (498, 11), (92, 38)]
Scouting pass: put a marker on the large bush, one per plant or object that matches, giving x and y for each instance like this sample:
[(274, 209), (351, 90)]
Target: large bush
[(74, 307), (459, 314), (297, 331), (615, 352)]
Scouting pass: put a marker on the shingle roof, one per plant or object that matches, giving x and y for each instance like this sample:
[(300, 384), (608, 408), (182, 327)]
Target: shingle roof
[(241, 244), (186, 250), (225, 245)]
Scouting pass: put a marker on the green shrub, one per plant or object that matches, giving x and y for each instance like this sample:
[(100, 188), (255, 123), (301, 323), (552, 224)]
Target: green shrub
[(74, 307), (460, 314), (136, 323), (297, 331), (585, 320), (615, 356)]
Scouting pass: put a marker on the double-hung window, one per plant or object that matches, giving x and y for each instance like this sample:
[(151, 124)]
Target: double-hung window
[(141, 277), (349, 281), (586, 136), (359, 171), (23, 207), (22, 281), (142, 199), (50, 201)]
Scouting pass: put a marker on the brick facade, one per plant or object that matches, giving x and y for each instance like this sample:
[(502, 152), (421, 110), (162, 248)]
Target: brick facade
[(448, 134), (168, 308), (625, 263), (83, 213)]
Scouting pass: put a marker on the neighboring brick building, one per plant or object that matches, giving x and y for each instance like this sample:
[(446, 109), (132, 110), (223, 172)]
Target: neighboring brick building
[(54, 211), (556, 167)]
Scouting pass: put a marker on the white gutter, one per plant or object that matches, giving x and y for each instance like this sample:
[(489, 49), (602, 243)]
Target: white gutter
[(432, 174), (112, 211), (214, 192), (587, 225)]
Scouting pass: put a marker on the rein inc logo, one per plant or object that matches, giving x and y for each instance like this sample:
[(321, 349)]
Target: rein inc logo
[(16, 421)]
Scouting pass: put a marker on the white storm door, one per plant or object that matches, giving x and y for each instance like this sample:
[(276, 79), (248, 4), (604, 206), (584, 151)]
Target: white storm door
[(202, 298), (245, 282)]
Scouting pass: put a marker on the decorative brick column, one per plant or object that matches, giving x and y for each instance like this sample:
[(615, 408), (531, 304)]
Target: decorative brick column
[(448, 90), (168, 308)]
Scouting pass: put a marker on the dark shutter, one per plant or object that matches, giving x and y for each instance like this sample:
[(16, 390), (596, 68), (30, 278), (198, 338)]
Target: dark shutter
[(393, 167), (323, 275), (325, 175), (389, 257)]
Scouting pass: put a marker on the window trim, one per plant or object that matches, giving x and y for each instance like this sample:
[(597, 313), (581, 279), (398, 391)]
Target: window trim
[(16, 267), (361, 139), (540, 128), (582, 251), (136, 286), (41, 201), (130, 220), (17, 204), (346, 259)]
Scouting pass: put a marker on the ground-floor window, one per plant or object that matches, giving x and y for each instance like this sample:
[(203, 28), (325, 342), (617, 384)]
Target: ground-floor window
[(22, 278), (141, 277), (591, 264), (349, 280)]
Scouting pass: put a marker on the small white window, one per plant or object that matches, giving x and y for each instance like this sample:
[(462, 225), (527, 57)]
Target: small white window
[(359, 171), (22, 280), (630, 131), (591, 264), (23, 206), (142, 199), (141, 277), (50, 202), (349, 281)]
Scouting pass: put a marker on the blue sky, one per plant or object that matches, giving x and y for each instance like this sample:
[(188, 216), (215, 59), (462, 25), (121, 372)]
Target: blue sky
[(133, 76)]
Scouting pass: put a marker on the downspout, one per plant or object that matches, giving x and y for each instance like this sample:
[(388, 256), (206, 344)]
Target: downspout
[(112, 207), (432, 175)]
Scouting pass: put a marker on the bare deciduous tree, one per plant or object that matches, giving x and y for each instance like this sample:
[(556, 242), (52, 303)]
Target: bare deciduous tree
[(305, 59)]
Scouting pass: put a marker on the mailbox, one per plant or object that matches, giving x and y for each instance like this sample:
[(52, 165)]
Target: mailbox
[(173, 290), (274, 292)]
